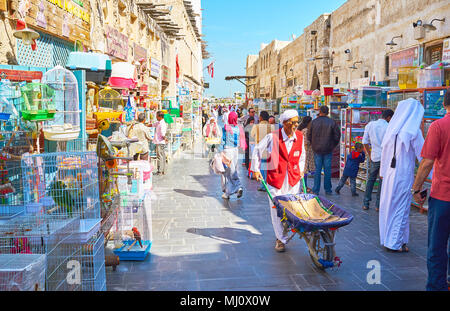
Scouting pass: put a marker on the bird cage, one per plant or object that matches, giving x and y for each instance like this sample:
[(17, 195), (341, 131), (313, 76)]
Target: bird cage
[(66, 123), (134, 235), (110, 105), (23, 236), (22, 272), (37, 102), (8, 93), (11, 193), (62, 184), (92, 262)]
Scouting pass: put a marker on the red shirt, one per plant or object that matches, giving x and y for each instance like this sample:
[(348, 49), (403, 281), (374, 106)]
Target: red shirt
[(437, 147)]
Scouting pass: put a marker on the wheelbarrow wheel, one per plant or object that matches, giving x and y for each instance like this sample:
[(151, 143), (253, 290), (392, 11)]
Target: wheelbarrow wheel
[(322, 242)]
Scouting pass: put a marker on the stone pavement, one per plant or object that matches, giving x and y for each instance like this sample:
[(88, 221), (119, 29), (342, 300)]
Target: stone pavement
[(202, 243)]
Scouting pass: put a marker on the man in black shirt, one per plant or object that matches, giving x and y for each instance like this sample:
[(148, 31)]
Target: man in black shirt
[(324, 136)]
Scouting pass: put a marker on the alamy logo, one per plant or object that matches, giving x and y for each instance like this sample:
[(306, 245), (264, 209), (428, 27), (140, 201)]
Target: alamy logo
[(74, 274), (374, 275)]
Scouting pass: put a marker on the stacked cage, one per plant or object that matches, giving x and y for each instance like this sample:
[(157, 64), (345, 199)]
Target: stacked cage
[(26, 242), (12, 145), (66, 185), (133, 238)]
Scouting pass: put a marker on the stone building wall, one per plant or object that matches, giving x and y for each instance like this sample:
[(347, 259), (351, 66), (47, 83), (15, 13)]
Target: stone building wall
[(126, 17), (291, 68), (362, 27), (317, 45)]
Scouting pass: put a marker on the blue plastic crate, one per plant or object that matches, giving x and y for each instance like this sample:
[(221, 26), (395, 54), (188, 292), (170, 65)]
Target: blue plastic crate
[(134, 254)]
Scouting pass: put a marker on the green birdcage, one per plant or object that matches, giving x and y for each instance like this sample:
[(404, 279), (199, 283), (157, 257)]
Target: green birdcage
[(37, 102)]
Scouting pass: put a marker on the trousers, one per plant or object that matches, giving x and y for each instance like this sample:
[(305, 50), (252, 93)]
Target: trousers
[(161, 158), (438, 244)]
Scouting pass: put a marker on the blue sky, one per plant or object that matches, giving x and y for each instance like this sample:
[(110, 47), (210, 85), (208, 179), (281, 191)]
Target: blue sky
[(236, 28)]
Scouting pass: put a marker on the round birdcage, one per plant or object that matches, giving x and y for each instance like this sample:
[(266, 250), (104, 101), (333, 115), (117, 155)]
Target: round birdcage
[(110, 105), (66, 124)]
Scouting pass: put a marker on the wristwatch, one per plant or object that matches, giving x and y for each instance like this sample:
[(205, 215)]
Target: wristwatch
[(414, 192)]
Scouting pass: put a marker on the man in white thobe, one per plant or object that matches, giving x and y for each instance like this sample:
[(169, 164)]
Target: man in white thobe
[(402, 142), (289, 138)]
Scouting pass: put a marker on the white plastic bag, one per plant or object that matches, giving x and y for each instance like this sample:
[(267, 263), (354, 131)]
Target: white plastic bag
[(217, 164)]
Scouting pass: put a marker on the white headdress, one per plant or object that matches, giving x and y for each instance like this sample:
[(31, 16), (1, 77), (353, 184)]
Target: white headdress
[(287, 115)]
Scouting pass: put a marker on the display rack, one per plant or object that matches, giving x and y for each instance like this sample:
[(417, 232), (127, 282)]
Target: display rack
[(353, 122)]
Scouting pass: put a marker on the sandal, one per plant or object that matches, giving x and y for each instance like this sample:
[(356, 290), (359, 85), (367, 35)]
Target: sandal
[(404, 249)]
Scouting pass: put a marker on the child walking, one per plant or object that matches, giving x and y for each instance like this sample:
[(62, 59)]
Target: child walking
[(352, 168)]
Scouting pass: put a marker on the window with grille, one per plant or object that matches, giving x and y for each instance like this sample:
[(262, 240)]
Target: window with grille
[(50, 52)]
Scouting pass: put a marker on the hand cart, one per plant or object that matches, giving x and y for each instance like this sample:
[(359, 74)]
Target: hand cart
[(319, 235)]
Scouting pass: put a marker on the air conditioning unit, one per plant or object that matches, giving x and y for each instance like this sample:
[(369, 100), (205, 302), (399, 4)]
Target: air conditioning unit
[(419, 33)]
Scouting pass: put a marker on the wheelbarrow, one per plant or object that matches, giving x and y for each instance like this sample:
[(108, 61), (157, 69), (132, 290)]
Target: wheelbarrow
[(319, 234)]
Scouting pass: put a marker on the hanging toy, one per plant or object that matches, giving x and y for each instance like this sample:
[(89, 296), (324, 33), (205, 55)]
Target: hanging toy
[(129, 111)]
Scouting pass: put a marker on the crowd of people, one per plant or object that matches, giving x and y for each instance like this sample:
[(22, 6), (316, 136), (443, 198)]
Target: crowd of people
[(286, 153)]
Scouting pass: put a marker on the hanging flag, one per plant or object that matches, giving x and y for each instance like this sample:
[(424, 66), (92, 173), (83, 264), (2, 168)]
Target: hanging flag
[(211, 70), (178, 69)]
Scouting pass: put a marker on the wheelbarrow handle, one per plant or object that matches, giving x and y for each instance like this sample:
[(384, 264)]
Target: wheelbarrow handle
[(267, 190)]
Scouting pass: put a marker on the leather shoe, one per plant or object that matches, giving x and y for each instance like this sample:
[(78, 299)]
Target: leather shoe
[(280, 247)]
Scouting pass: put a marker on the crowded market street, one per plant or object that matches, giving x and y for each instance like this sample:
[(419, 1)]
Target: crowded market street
[(194, 150), (203, 243)]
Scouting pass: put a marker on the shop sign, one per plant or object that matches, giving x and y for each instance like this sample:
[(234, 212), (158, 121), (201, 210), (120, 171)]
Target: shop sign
[(165, 73), (405, 58), (20, 75), (117, 43), (155, 67), (76, 8), (139, 52), (357, 83), (446, 51), (62, 18)]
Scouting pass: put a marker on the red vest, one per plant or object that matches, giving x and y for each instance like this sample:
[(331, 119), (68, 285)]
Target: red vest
[(282, 161)]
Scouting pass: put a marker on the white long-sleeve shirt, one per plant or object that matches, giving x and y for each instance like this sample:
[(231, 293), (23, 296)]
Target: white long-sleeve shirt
[(373, 135)]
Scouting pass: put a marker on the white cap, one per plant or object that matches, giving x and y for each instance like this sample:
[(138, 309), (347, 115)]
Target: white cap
[(287, 115)]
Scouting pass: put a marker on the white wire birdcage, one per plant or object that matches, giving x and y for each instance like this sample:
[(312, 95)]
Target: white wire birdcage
[(133, 238), (66, 123), (48, 235), (62, 184), (22, 272), (92, 260)]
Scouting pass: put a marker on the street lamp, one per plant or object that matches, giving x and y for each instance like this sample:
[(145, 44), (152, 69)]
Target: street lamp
[(392, 43), (430, 27)]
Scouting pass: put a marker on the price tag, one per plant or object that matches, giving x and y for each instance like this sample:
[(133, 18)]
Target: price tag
[(442, 93)]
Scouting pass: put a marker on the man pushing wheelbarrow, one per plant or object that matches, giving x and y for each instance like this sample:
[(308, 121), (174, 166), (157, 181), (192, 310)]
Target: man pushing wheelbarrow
[(284, 152), (314, 219)]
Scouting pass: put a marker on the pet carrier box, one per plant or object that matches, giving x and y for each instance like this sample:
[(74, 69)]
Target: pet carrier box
[(95, 65)]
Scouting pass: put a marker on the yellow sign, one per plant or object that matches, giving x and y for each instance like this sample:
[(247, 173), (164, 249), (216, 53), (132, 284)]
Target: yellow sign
[(73, 9)]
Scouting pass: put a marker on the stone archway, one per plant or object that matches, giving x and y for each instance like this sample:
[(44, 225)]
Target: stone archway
[(315, 83)]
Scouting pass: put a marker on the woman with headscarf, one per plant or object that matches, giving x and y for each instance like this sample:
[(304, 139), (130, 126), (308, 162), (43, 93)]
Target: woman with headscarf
[(310, 165), (233, 138), (212, 132), (401, 146)]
